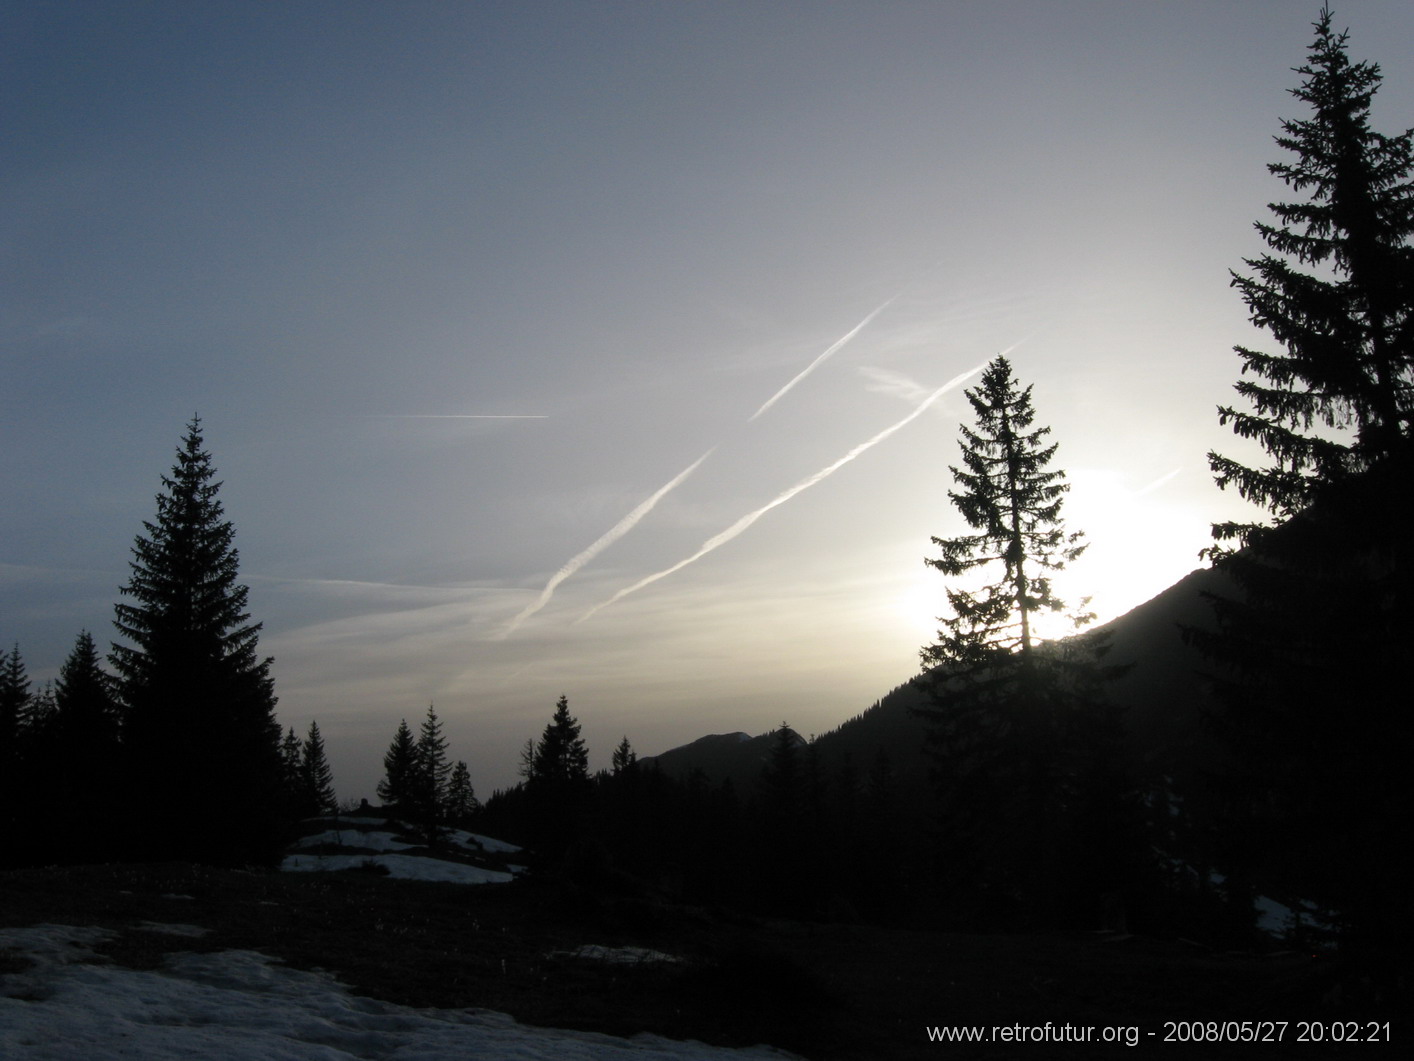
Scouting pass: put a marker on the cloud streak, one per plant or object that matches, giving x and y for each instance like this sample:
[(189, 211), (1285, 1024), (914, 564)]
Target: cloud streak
[(617, 531), (1160, 481), (837, 345), (718, 540)]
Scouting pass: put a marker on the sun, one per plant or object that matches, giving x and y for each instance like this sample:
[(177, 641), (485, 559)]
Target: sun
[(1141, 541)]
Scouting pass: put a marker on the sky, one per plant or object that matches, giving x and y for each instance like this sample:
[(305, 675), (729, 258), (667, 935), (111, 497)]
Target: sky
[(617, 350)]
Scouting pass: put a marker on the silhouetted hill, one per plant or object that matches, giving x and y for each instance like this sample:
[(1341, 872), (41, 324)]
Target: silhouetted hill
[(735, 757), (1163, 691)]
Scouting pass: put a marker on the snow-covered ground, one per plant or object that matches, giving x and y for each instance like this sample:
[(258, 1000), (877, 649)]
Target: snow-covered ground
[(404, 867), (245, 1006), (366, 840)]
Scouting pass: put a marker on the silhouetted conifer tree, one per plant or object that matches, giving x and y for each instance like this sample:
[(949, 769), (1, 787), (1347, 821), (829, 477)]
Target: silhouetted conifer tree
[(781, 781), (399, 764), (1337, 399), (1311, 648), (561, 759), (316, 780), (623, 758), (557, 786), (462, 804), (291, 751), (782, 843), (200, 739), (15, 699), (428, 783), (87, 716), (81, 764), (14, 705), (1012, 716), (38, 724)]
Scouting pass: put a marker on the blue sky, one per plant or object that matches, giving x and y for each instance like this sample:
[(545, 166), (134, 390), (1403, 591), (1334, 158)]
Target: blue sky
[(620, 229)]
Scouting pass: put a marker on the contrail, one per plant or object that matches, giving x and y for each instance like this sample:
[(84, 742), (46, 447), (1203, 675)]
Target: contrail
[(751, 517), (811, 367), (616, 532), (1160, 481), (459, 416)]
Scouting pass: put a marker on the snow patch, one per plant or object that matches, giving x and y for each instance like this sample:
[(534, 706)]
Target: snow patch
[(372, 840), (403, 867), (243, 1006), (485, 843), (618, 955), (190, 931)]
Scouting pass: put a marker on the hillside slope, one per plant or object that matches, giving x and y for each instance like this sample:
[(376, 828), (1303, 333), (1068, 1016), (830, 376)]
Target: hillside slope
[(1163, 692)]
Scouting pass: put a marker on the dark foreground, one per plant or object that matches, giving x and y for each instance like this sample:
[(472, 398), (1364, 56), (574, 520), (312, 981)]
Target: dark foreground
[(827, 992)]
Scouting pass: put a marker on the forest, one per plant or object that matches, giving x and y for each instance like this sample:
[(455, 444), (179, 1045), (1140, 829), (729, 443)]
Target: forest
[(1029, 800)]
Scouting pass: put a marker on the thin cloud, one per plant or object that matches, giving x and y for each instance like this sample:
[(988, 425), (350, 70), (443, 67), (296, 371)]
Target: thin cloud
[(616, 532), (823, 357), (747, 520), (894, 384), (1160, 481)]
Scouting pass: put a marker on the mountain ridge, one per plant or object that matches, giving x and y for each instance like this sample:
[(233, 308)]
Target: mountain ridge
[(1163, 691)]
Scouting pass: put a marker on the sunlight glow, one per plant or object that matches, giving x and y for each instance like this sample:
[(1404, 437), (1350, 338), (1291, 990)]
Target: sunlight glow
[(1140, 544)]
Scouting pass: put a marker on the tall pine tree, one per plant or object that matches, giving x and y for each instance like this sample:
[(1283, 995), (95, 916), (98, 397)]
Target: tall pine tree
[(1310, 648), (200, 739), (557, 784), (431, 769), (291, 752), (82, 756), (561, 760), (1014, 720), (624, 757), (399, 765), (1337, 400), (316, 780), (14, 704), (462, 803), (14, 707), (1011, 497)]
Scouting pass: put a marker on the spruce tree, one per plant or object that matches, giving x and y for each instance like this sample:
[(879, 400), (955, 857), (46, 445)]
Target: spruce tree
[(1311, 642), (291, 753), (1011, 497), (782, 782), (40, 722), (15, 698), (557, 785), (316, 780), (782, 838), (14, 705), (83, 751), (624, 757), (200, 739), (399, 764), (1337, 400), (87, 714), (1013, 718), (462, 804), (561, 760), (428, 788)]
